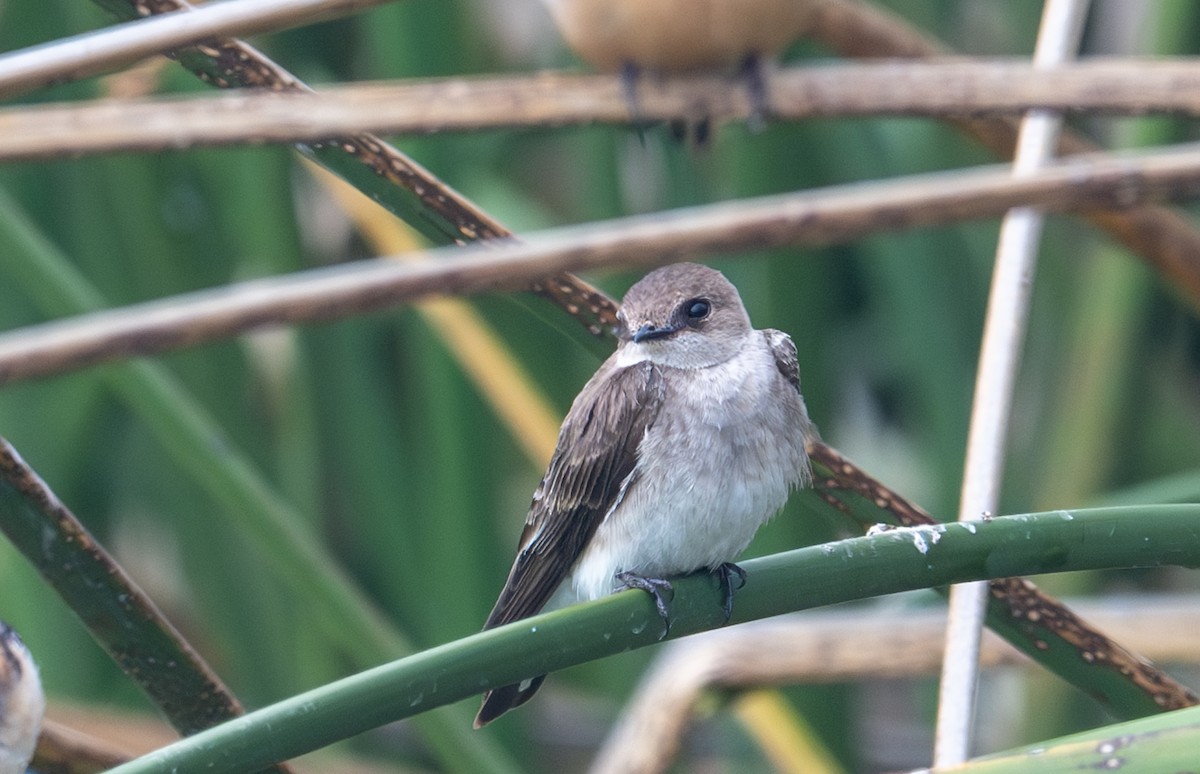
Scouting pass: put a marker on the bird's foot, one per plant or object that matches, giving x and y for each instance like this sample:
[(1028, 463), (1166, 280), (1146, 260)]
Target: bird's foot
[(655, 588), (725, 573), (696, 131)]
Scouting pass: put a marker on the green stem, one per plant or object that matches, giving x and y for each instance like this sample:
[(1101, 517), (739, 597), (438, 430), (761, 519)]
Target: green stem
[(1166, 742), (894, 561)]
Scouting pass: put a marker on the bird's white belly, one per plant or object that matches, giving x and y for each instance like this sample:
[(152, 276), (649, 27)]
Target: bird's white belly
[(717, 463)]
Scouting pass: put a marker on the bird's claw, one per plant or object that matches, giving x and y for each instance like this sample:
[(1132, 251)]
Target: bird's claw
[(655, 588), (725, 573)]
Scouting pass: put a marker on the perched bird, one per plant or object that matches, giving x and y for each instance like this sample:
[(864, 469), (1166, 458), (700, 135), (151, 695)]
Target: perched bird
[(22, 703), (675, 36), (671, 36), (686, 440)]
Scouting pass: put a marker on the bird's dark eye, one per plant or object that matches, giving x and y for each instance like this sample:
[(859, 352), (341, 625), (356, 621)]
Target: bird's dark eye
[(698, 308)]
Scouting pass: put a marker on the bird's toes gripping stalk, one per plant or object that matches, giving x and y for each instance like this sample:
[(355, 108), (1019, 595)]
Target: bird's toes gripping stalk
[(725, 573), (655, 588)]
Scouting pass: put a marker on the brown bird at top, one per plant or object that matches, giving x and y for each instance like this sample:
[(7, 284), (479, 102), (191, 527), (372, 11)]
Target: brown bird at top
[(679, 35), (675, 36)]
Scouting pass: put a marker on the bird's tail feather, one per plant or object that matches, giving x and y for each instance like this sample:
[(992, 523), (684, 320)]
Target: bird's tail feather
[(500, 700)]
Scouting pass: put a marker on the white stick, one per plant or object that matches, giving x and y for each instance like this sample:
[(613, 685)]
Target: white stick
[(1003, 335), (93, 53)]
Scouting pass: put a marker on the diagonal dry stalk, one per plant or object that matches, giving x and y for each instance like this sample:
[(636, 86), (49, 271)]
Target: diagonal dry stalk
[(819, 217)]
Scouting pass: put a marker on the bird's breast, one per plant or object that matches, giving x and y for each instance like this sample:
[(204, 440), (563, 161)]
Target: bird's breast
[(719, 460)]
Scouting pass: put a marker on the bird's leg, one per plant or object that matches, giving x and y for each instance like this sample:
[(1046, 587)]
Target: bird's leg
[(754, 72), (629, 79), (697, 131), (725, 574), (655, 588)]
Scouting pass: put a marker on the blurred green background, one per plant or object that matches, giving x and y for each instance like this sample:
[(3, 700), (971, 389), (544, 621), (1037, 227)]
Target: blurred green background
[(371, 432)]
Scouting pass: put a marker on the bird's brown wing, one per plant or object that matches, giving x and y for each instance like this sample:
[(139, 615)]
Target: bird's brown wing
[(592, 467)]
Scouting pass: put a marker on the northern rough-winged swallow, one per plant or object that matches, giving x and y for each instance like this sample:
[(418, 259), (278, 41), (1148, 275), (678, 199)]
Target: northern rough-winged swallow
[(688, 438)]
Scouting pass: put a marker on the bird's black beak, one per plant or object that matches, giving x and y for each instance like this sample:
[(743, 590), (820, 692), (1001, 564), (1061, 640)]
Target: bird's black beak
[(648, 331)]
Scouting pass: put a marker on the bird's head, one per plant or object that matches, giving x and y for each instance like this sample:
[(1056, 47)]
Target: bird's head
[(684, 315)]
